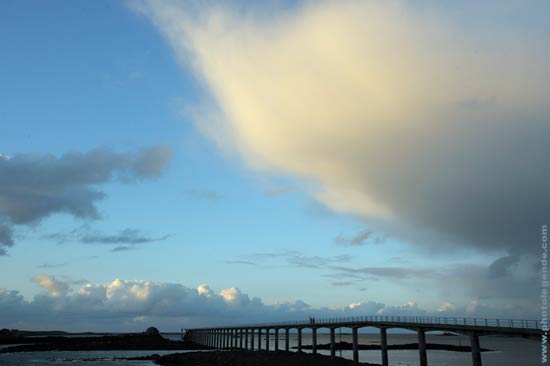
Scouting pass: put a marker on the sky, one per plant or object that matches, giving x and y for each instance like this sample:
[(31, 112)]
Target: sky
[(191, 163)]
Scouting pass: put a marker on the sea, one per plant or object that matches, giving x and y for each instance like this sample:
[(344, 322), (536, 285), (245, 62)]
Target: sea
[(504, 352)]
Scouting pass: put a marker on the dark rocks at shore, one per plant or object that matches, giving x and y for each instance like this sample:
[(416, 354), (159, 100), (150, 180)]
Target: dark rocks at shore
[(448, 334), (149, 340), (9, 335), (405, 346), (248, 358)]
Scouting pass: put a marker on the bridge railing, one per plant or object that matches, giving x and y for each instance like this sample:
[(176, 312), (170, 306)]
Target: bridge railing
[(482, 322)]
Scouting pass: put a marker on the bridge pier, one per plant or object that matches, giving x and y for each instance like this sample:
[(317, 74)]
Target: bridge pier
[(252, 331), (384, 346), (246, 339), (476, 350), (314, 340), (287, 339), (267, 339), (299, 339), (422, 347), (227, 339), (259, 339), (276, 339), (332, 343), (355, 340)]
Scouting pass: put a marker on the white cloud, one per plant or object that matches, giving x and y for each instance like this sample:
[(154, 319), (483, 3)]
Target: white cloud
[(448, 306), (398, 116), (130, 305), (54, 287)]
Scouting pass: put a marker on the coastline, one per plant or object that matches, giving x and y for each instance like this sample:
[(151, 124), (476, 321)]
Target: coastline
[(248, 358)]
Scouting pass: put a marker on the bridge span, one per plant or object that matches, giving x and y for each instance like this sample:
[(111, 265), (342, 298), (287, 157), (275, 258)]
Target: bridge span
[(249, 337)]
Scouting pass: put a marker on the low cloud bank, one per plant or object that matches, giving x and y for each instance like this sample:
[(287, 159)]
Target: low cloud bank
[(131, 305)]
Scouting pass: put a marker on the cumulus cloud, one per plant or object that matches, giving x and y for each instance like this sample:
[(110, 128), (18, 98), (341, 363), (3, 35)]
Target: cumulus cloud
[(432, 132), (132, 305), (54, 287), (34, 186)]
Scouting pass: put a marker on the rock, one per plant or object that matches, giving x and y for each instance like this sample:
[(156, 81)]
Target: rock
[(152, 331)]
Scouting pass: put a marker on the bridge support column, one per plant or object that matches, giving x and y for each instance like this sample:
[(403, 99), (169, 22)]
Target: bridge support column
[(384, 346), (276, 339), (259, 339), (246, 339), (299, 339), (476, 350), (355, 341), (267, 339), (422, 347), (314, 340), (287, 339), (252, 331), (332, 343)]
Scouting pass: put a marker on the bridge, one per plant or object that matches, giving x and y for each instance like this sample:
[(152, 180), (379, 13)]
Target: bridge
[(249, 337)]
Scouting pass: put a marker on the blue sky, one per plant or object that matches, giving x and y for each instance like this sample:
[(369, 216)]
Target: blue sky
[(274, 162)]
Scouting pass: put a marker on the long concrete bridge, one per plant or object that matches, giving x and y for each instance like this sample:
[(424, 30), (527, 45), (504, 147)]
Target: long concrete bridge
[(249, 337)]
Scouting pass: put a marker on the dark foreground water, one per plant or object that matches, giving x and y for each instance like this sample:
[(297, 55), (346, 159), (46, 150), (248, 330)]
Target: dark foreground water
[(507, 352)]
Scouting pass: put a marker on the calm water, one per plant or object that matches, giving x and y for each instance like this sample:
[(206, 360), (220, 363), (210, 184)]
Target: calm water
[(508, 352)]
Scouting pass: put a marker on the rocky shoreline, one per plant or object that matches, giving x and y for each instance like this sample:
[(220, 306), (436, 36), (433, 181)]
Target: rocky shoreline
[(148, 340), (246, 358)]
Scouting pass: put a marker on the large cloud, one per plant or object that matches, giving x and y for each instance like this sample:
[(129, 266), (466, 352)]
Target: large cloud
[(434, 133), (33, 187), (133, 305)]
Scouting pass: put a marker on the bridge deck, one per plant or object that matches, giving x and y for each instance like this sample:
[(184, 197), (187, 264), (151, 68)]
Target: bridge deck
[(226, 337), (479, 326)]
